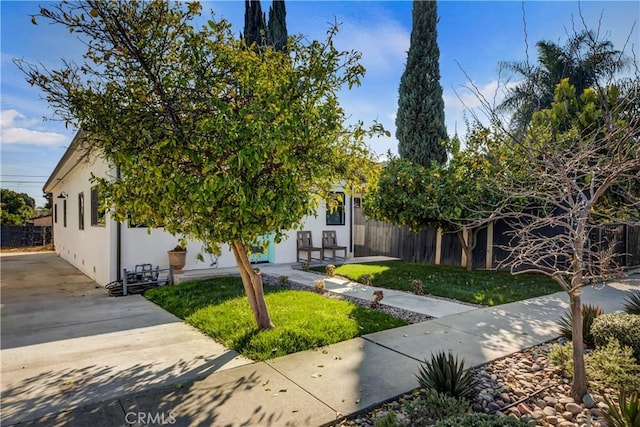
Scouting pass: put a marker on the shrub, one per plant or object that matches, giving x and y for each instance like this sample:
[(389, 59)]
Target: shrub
[(389, 420), (632, 303), (304, 266), (589, 314), (622, 327), (445, 374), (436, 406), (282, 280), (377, 297), (330, 270), (365, 279), (562, 357), (418, 287), (625, 414), (610, 366), (614, 365), (480, 420), (318, 284)]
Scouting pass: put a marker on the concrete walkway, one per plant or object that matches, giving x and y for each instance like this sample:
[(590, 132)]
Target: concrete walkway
[(313, 388), (65, 343), (434, 307)]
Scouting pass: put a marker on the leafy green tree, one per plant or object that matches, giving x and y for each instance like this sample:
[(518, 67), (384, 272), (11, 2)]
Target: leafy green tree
[(455, 197), (584, 60), (166, 104), (420, 127), (17, 208), (277, 28), (574, 152)]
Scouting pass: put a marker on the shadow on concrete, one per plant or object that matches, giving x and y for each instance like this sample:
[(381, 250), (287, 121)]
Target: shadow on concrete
[(55, 391)]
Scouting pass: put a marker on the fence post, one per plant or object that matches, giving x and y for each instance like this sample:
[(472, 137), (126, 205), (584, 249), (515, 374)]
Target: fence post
[(489, 257), (465, 237), (438, 247)]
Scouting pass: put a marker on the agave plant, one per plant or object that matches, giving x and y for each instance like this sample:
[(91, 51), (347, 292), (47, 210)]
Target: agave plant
[(626, 413), (632, 303), (444, 373), (589, 314)]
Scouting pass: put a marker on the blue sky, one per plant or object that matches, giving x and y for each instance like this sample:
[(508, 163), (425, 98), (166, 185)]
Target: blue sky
[(473, 37)]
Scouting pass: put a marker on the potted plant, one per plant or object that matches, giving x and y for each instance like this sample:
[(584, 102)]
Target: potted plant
[(177, 258)]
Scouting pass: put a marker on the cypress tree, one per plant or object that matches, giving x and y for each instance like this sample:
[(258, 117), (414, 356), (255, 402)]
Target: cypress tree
[(420, 127), (277, 27), (254, 23)]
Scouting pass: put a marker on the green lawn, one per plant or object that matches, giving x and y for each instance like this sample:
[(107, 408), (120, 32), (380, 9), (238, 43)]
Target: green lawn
[(304, 320), (477, 287)]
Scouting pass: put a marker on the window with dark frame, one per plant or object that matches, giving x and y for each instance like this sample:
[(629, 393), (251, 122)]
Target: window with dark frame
[(97, 214), (81, 211), (64, 212), (337, 215), (55, 213)]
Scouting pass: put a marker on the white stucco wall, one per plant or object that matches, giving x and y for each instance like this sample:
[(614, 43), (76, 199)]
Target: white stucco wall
[(94, 250), (140, 247), (285, 252), (91, 250)]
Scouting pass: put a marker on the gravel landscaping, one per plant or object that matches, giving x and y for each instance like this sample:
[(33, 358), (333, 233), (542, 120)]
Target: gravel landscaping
[(524, 385)]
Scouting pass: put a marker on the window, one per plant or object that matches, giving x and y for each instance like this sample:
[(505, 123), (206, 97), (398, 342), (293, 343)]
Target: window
[(55, 213), (335, 209), (81, 211), (64, 212), (97, 214)]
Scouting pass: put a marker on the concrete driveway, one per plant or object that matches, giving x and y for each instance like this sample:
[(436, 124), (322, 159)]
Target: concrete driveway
[(65, 344)]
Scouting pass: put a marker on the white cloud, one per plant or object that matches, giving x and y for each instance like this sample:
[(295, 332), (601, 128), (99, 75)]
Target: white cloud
[(473, 101), (17, 129), (383, 44)]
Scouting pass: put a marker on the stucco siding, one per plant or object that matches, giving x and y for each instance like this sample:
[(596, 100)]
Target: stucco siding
[(91, 250)]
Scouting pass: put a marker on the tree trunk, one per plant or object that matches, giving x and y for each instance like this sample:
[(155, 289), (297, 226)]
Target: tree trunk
[(579, 385), (467, 246), (252, 283)]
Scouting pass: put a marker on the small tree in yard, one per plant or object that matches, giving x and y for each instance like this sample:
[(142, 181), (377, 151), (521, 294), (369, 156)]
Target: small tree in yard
[(212, 141), (553, 189), (456, 197)]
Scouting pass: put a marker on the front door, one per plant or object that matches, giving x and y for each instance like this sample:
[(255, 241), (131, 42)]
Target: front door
[(260, 251)]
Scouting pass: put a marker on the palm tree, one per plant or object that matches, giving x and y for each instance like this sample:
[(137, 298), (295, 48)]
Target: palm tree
[(584, 59)]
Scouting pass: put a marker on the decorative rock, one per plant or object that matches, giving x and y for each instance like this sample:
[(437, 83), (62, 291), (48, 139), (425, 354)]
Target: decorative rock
[(573, 407), (587, 399), (514, 411), (565, 400), (551, 401), (523, 409), (537, 415), (567, 415), (566, 424), (595, 412), (548, 411), (493, 406), (553, 420), (541, 403)]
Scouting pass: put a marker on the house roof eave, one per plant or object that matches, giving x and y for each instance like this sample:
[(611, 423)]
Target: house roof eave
[(70, 159)]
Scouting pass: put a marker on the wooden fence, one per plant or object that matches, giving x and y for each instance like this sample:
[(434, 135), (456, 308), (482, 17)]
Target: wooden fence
[(13, 236), (381, 238)]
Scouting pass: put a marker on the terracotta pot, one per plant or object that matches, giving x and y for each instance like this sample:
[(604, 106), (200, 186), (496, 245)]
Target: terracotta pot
[(177, 260)]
